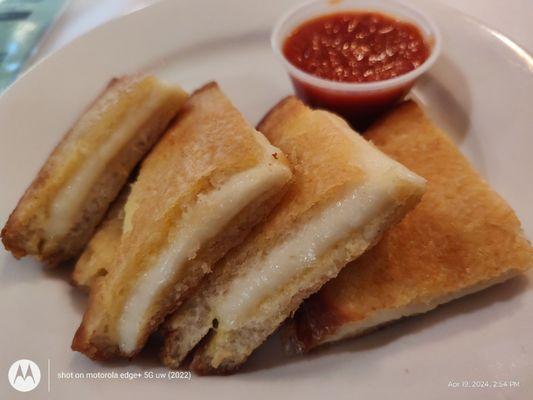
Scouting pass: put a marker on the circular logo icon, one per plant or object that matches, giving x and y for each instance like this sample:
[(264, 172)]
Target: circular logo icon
[(24, 375)]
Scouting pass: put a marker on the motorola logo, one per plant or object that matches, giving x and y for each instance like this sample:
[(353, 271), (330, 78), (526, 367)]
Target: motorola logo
[(24, 375)]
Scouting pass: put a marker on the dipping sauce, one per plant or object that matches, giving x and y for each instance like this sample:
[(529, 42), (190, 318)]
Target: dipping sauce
[(356, 47)]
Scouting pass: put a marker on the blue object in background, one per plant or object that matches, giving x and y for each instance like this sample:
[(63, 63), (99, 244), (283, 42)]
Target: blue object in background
[(22, 24)]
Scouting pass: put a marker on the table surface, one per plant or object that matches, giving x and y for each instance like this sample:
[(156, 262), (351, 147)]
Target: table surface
[(511, 17)]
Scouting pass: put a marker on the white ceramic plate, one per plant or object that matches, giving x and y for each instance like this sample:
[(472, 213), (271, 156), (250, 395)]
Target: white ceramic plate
[(481, 91)]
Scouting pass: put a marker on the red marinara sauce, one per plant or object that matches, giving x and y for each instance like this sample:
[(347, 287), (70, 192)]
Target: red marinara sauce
[(354, 47)]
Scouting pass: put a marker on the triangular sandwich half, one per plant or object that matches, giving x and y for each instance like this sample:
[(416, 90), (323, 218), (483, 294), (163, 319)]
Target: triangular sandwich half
[(57, 214), (461, 238)]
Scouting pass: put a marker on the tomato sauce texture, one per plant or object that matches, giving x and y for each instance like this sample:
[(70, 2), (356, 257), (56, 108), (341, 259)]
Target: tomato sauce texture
[(356, 47)]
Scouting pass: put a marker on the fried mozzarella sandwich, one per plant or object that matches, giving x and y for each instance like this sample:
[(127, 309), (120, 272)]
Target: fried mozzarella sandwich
[(56, 216), (344, 195), (198, 193), (461, 238)]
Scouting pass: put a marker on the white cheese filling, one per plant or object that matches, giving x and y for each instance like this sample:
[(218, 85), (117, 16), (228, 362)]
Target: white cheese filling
[(334, 223), (211, 213), (69, 200)]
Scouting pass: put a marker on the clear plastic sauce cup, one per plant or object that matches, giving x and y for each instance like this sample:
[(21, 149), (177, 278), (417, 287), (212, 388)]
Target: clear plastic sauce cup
[(358, 102)]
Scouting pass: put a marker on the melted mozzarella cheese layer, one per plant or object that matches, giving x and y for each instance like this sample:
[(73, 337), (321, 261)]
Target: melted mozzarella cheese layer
[(212, 212), (69, 200)]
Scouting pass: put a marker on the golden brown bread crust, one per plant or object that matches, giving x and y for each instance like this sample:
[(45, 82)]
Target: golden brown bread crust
[(325, 162), (307, 140), (460, 235), (25, 233), (209, 143), (98, 257)]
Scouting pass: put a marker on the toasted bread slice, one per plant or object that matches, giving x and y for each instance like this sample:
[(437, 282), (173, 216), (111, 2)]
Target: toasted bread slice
[(207, 182), (461, 238), (345, 193), (56, 217), (98, 257)]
